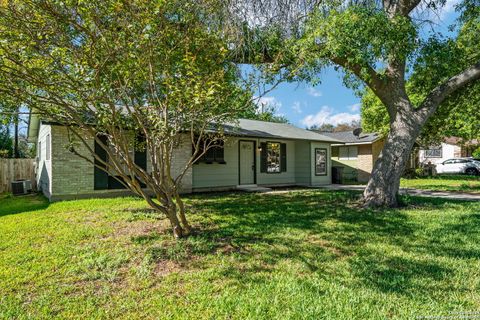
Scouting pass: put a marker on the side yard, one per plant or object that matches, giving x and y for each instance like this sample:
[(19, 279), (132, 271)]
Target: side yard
[(299, 255), (454, 183)]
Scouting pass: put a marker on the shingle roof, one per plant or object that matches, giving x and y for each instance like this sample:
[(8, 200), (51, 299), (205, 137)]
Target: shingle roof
[(248, 128), (263, 129), (349, 137)]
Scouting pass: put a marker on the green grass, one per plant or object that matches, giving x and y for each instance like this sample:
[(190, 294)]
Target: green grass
[(299, 255), (469, 184)]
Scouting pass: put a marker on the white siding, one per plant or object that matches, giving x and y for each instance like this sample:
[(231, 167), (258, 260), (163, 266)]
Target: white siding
[(43, 166), (448, 151)]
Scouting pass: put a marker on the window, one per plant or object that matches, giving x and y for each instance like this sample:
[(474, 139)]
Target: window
[(434, 152), (39, 151), (47, 148), (273, 157), (321, 162), (348, 153), (213, 154), (120, 161)]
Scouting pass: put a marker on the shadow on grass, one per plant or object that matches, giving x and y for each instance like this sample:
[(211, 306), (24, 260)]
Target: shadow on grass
[(10, 204), (394, 274), (385, 249)]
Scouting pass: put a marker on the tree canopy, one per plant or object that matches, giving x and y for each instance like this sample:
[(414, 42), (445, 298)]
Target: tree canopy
[(439, 58), (379, 45)]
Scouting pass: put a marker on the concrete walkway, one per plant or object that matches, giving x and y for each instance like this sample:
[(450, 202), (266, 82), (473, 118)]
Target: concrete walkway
[(412, 192)]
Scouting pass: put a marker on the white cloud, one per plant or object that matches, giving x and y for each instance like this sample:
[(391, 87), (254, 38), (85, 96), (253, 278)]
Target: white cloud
[(296, 107), (326, 115), (264, 103), (355, 107), (314, 92)]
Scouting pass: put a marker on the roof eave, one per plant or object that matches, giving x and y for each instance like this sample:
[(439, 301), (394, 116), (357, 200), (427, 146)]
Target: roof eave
[(33, 127), (358, 143)]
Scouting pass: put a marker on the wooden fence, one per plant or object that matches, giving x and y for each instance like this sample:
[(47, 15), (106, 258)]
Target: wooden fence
[(15, 169)]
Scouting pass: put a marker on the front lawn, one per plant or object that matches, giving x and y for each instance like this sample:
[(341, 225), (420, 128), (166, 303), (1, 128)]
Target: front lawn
[(462, 183), (299, 255)]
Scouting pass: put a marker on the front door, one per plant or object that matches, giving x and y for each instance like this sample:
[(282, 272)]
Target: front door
[(247, 162)]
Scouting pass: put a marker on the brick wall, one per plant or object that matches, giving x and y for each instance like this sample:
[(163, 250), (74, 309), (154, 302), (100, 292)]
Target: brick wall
[(364, 162), (367, 155), (181, 155), (73, 177), (377, 147)]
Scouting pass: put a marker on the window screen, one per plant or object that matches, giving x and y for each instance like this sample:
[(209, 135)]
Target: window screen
[(348, 153)]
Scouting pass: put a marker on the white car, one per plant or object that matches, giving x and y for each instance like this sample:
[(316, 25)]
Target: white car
[(459, 166)]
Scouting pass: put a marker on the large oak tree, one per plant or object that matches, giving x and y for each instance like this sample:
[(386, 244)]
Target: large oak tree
[(375, 43)]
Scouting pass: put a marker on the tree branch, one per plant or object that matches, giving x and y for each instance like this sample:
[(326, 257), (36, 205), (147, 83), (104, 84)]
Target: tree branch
[(441, 92), (371, 78)]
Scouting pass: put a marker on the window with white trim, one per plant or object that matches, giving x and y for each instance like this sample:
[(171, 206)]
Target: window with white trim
[(348, 153), (433, 152)]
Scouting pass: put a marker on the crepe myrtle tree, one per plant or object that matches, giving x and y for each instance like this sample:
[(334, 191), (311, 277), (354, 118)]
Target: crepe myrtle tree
[(377, 44), (144, 75)]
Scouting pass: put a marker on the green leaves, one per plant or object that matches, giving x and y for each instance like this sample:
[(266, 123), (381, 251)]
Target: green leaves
[(360, 34), (72, 56)]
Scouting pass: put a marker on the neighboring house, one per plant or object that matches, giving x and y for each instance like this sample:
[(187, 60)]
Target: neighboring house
[(356, 155), (254, 153), (452, 147)]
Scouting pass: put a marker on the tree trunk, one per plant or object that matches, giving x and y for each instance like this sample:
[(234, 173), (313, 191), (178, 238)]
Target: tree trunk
[(181, 212), (177, 228), (382, 188)]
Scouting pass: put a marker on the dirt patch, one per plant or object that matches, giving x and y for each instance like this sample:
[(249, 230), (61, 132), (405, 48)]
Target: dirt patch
[(329, 247), (166, 267), (140, 228)]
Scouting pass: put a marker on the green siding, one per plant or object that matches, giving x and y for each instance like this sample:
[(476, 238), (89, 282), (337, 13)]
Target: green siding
[(350, 167), (319, 180), (302, 160), (219, 175), (287, 177), (226, 175)]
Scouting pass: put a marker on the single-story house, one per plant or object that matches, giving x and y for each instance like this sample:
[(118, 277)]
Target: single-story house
[(451, 147), (254, 153), (355, 155)]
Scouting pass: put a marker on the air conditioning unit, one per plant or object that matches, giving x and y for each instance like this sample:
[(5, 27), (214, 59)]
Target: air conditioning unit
[(21, 187)]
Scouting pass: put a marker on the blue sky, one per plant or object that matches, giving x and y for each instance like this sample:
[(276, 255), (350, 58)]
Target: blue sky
[(330, 101)]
